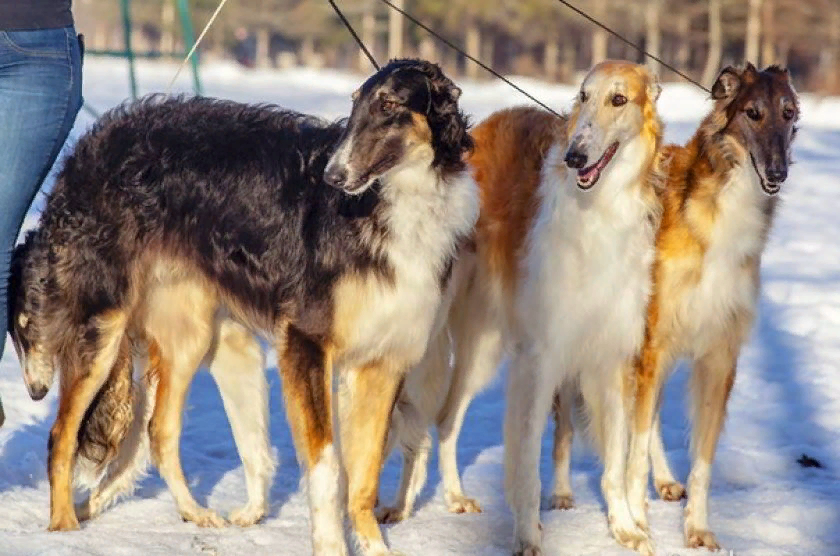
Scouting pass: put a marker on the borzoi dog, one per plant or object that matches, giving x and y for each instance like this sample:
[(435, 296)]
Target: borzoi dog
[(335, 240), (564, 241), (113, 439), (719, 203)]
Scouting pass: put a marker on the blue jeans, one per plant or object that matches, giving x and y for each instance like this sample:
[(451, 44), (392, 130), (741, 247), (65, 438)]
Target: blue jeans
[(40, 95)]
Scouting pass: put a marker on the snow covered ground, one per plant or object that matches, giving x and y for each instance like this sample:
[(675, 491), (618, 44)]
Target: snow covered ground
[(786, 400)]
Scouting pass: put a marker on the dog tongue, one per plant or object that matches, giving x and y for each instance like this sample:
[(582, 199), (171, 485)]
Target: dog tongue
[(587, 175)]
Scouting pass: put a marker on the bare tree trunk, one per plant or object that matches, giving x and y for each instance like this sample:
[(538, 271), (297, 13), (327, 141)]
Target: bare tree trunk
[(653, 35), (768, 47), (684, 48), (395, 31), (100, 36), (569, 59), (784, 52), (167, 24), (262, 55), (830, 56), (473, 47), (715, 43), (753, 36), (427, 48), (550, 55), (368, 35), (600, 38), (488, 49), (307, 50)]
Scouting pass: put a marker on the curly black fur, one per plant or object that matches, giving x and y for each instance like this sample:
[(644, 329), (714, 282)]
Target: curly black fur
[(449, 124)]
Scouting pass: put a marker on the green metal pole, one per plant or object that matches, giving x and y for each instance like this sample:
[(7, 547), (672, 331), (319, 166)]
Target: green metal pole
[(189, 41), (129, 53)]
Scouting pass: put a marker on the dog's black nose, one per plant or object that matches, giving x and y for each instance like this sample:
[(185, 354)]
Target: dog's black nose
[(575, 159), (776, 175), (38, 392), (335, 176)]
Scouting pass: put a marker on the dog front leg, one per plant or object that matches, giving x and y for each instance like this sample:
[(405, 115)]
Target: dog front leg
[(365, 419)]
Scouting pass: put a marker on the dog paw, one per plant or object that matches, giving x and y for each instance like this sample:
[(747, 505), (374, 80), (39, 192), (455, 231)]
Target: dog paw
[(390, 514), (697, 538), (562, 502), (463, 505), (247, 515), (64, 522), (527, 549), (635, 539), (204, 517), (671, 492), (84, 512)]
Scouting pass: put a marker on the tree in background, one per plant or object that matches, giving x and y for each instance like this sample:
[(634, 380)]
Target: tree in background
[(538, 38)]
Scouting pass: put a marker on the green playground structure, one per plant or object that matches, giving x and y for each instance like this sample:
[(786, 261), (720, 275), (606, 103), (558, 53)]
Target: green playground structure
[(129, 54)]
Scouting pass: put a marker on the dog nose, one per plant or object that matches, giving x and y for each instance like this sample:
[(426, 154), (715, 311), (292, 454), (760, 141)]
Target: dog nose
[(776, 175), (575, 159), (335, 176), (38, 391)]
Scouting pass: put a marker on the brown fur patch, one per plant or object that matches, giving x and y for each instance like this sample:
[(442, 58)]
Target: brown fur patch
[(510, 147)]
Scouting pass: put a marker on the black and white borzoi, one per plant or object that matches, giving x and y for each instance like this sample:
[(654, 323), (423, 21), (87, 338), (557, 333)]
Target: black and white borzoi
[(341, 259)]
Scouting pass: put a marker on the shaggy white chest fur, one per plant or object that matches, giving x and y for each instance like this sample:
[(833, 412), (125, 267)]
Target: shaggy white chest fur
[(587, 272), (426, 219), (727, 285)]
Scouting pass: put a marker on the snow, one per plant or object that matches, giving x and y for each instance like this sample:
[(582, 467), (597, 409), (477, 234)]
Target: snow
[(786, 400)]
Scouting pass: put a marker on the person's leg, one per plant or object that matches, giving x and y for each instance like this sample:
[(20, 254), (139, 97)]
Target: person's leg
[(40, 95)]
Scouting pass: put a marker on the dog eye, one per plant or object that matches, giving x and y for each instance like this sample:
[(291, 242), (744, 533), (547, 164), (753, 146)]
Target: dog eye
[(788, 113), (753, 114), (619, 100), (583, 96)]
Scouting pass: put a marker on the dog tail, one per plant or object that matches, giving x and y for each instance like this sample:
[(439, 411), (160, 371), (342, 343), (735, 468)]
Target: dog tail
[(108, 419)]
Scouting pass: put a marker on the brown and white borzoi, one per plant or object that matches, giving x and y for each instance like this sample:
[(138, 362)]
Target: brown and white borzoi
[(564, 245)]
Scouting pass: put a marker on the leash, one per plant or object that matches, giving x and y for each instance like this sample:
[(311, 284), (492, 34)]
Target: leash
[(355, 35), (195, 45)]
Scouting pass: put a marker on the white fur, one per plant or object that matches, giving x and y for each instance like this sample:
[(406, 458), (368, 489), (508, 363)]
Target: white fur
[(427, 215), (324, 485), (580, 317)]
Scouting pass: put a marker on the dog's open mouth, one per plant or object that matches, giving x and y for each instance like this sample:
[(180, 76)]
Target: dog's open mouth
[(769, 188), (587, 177)]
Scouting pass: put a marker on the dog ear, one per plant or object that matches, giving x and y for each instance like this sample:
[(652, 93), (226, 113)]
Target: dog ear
[(449, 124), (727, 84)]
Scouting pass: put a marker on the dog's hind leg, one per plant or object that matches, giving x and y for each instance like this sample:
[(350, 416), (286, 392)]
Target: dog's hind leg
[(667, 487), (306, 372), (74, 400), (365, 419), (417, 405), (477, 336), (415, 442), (182, 325), (238, 367), (712, 380), (562, 497)]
